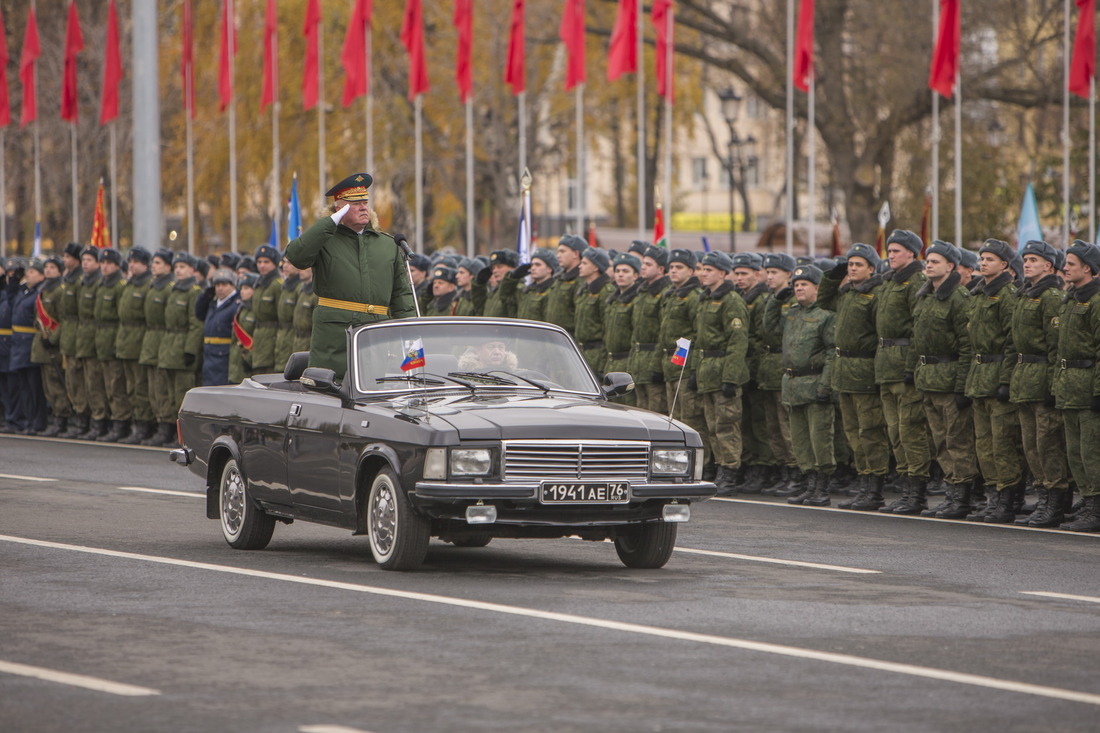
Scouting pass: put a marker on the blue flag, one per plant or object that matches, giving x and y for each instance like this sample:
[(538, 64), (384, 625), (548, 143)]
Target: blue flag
[(1028, 229), (706, 245), (523, 244), (273, 240), (37, 239), (294, 215)]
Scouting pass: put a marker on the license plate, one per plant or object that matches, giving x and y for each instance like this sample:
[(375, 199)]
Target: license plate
[(604, 492)]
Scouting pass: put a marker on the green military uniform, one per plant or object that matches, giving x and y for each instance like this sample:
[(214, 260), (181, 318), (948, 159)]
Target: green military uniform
[(128, 343), (159, 388), (756, 450), (359, 277), (284, 309), (500, 302), (106, 331), (561, 306), (939, 359), (265, 302), (424, 294), (679, 307), (617, 332), (181, 345), (769, 379), (590, 307), (441, 305), (46, 350), (645, 359), (902, 407), (303, 317), (86, 352), (240, 351), (531, 300), (69, 310), (1035, 336), (470, 301), (719, 359)]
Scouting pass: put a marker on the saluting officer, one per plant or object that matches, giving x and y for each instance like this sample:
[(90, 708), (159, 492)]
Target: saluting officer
[(358, 273), (112, 372), (46, 347), (531, 300), (649, 378), (469, 299), (128, 343), (500, 297), (159, 389), (265, 303), (590, 307)]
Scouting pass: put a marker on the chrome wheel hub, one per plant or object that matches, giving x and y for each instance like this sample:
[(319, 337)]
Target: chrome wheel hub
[(383, 519), (233, 502)]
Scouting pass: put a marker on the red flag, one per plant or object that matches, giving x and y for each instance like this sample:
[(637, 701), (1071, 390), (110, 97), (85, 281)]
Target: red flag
[(1082, 68), (244, 337), (31, 51), (187, 64), (5, 102), (464, 25), (622, 54), (945, 57), (804, 46), (659, 237), (663, 25), (101, 235), (593, 240), (880, 242), (571, 33), (46, 323), (271, 57), (310, 80), (515, 73), (74, 42), (228, 53), (112, 69), (412, 38), (354, 55)]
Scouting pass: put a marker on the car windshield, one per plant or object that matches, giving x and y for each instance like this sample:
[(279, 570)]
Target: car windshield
[(467, 354)]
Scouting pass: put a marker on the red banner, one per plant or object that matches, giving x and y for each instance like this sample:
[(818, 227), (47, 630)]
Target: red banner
[(31, 52), (663, 27), (74, 43), (228, 53), (187, 60), (101, 235), (926, 224), (515, 73), (5, 101), (571, 33), (464, 26), (804, 47), (354, 54), (1082, 68), (945, 57), (412, 38), (112, 69), (270, 92), (622, 54), (45, 323), (242, 336), (310, 79)]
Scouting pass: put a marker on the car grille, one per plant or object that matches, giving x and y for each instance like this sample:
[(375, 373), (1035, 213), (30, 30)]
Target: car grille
[(588, 460)]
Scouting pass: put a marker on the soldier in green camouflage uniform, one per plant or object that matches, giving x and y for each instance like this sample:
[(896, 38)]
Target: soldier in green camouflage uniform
[(645, 358), (86, 345), (591, 307), (303, 313), (159, 389), (719, 360), (469, 298), (1035, 335), (996, 427), (500, 297), (769, 374), (69, 315), (531, 300), (560, 303), (284, 310), (46, 349), (113, 373), (244, 324), (1077, 379), (679, 306), (182, 343), (265, 303), (757, 458), (619, 317), (444, 290), (128, 342)]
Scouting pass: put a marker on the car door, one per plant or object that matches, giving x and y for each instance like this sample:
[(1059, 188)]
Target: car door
[(262, 445), (312, 454)]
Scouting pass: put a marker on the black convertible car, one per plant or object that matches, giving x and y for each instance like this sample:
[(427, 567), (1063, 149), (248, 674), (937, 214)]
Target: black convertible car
[(463, 429)]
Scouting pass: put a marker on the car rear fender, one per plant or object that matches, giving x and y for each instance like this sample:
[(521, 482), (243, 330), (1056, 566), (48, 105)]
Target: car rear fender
[(374, 458), (221, 451)]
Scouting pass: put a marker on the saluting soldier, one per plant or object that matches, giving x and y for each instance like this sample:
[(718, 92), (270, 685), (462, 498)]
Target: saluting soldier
[(678, 307), (69, 316), (303, 311), (265, 303), (531, 300), (649, 378), (358, 273), (244, 323), (590, 307), (619, 317), (500, 296), (1077, 379), (757, 460), (113, 373), (159, 389), (1035, 337), (86, 345), (288, 301), (443, 291), (26, 373), (561, 307), (469, 298), (46, 349), (128, 343), (181, 347), (778, 267)]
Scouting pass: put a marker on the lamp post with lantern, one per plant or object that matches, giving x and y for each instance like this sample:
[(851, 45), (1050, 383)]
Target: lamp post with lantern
[(735, 161)]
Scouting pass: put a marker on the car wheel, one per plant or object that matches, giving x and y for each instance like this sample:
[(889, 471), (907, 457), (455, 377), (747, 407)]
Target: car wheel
[(476, 540), (647, 545), (398, 536), (244, 525)]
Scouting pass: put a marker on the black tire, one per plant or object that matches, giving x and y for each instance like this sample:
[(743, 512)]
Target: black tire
[(398, 536), (477, 540), (244, 525), (647, 545)]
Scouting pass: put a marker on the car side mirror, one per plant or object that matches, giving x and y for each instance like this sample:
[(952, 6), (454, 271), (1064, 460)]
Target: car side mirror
[(319, 379), (617, 383)]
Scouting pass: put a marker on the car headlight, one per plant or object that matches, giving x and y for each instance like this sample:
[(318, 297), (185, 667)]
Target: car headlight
[(670, 462), (471, 461), (435, 464)]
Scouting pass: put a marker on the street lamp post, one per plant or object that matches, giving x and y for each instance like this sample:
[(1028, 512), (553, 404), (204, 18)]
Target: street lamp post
[(731, 107)]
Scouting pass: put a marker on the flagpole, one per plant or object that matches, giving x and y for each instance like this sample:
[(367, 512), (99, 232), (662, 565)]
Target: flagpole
[(811, 163), (578, 94), (367, 30), (470, 248), (1092, 159), (321, 114), (419, 113), (669, 52), (76, 193), (37, 152), (1065, 130), (521, 99), (113, 138), (958, 161), (790, 128), (3, 196), (935, 228), (275, 175), (640, 73), (190, 166)]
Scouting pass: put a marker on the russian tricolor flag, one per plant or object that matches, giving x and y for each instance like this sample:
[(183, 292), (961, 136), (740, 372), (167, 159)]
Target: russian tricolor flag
[(414, 356), (683, 346)]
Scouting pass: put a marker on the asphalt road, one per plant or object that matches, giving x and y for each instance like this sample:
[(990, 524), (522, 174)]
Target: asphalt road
[(122, 608)]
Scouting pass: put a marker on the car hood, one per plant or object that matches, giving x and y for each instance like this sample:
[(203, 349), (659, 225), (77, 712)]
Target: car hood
[(526, 417)]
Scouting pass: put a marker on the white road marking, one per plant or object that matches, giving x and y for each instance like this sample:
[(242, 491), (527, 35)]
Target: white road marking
[(1062, 596), (330, 729), (166, 492), (793, 563), (25, 478), (848, 660), (76, 680)]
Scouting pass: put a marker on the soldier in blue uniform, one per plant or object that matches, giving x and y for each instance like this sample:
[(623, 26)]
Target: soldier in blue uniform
[(216, 310), (31, 412)]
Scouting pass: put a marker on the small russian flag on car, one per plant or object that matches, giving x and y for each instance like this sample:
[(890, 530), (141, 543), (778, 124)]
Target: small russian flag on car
[(414, 355), (683, 346)]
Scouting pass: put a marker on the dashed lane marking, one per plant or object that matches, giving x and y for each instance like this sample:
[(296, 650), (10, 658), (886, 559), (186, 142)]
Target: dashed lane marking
[(166, 492), (792, 563), (25, 478), (1061, 596), (76, 680), (847, 660)]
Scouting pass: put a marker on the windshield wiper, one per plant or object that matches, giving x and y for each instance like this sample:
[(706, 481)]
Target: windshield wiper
[(418, 378), (532, 382), (483, 376)]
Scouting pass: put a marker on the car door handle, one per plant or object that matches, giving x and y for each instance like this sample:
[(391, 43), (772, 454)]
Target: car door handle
[(295, 410)]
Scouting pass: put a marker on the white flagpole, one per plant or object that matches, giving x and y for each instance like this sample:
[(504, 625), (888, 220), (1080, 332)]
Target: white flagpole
[(275, 176), (641, 122), (1065, 131), (1092, 159), (790, 128), (958, 161), (368, 28), (935, 213), (321, 188), (669, 54), (470, 244), (419, 113), (3, 197), (522, 101), (76, 192), (114, 183), (811, 163), (525, 185), (37, 150), (578, 93), (190, 166), (231, 17)]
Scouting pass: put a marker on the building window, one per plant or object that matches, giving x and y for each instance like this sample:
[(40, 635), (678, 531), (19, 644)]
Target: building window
[(571, 196), (752, 171), (699, 173)]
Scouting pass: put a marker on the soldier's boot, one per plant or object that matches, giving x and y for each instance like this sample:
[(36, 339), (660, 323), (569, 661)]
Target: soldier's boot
[(1002, 508), (156, 435), (164, 436), (1088, 519), (139, 431), (959, 506), (781, 478), (95, 429), (754, 480), (119, 429), (77, 425), (862, 483), (1051, 513), (806, 487), (726, 481), (872, 496), (1041, 497), (947, 503), (917, 498), (937, 487), (984, 502), (907, 483), (55, 428), (710, 471), (819, 495), (797, 484)]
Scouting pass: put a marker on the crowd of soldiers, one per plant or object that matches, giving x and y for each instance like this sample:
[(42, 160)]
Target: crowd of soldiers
[(97, 346), (968, 375)]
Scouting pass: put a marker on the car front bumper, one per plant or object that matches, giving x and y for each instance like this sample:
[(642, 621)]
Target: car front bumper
[(436, 491)]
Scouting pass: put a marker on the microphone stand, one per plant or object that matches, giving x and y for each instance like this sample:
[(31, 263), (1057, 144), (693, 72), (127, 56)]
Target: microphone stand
[(404, 245)]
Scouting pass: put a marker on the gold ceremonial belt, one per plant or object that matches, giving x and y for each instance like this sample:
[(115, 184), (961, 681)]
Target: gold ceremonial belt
[(217, 340), (5, 332), (347, 305), (23, 329)]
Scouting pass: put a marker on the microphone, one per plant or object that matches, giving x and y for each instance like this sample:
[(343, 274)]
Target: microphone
[(403, 244)]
